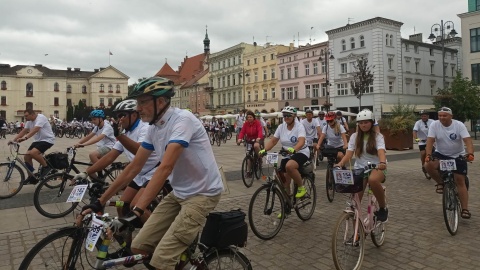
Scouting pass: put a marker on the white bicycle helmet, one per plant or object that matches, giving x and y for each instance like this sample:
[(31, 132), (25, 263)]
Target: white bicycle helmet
[(128, 105), (365, 114), (289, 109)]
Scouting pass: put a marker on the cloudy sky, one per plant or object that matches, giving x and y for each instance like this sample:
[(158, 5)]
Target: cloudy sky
[(142, 34)]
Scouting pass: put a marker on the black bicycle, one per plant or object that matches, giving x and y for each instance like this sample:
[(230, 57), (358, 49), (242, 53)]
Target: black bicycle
[(251, 165), (331, 155)]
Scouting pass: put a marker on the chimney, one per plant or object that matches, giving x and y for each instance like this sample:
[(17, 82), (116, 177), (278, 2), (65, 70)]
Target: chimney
[(76, 69), (95, 70), (69, 69), (291, 47), (38, 65), (416, 37)]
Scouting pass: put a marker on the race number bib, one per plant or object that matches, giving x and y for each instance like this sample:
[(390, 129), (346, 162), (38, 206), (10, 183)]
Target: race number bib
[(272, 158), (77, 193), (70, 154), (448, 165), (344, 177), (309, 142), (94, 233), (249, 146)]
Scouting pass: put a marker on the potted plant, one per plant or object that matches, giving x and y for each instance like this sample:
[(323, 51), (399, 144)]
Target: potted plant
[(397, 127)]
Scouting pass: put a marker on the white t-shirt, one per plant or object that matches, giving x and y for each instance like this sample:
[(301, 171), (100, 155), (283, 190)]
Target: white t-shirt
[(263, 123), (449, 140), (322, 123), (342, 121), (422, 130), (333, 140), (196, 171), (240, 120), (137, 134), (310, 128), (45, 134), (289, 138), (362, 161), (109, 139)]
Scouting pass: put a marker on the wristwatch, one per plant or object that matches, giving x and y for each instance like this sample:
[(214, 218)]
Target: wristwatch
[(138, 210)]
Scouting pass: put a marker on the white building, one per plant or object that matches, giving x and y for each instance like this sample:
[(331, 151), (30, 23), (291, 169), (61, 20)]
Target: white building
[(471, 45)]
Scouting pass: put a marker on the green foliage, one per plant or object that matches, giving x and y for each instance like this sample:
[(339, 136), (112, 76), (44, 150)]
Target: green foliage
[(362, 78), (463, 97), (400, 121), (69, 113)]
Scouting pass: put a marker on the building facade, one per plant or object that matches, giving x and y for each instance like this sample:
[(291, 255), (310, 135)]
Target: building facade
[(471, 41), (49, 91)]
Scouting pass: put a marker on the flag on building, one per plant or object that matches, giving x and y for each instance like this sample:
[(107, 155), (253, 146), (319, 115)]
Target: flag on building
[(110, 52)]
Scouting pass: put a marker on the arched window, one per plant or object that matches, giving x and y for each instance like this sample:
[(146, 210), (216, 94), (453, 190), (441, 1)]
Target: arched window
[(29, 106), (362, 41), (56, 87), (29, 90), (4, 85), (84, 89), (110, 88), (118, 88), (386, 40), (352, 43), (102, 87), (344, 45), (69, 88), (391, 40)]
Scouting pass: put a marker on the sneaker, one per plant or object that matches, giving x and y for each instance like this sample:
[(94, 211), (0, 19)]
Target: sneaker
[(300, 192), (382, 214), (31, 180)]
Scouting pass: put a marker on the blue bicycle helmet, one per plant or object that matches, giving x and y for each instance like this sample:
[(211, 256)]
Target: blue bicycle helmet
[(97, 114)]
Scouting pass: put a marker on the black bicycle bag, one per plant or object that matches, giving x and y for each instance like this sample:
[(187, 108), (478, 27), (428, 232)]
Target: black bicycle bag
[(224, 229)]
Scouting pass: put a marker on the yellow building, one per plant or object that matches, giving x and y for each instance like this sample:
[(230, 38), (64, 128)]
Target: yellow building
[(49, 91), (261, 91)]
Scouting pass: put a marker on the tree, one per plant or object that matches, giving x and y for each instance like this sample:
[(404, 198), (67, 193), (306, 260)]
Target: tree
[(362, 79), (69, 113), (463, 97), (132, 86)]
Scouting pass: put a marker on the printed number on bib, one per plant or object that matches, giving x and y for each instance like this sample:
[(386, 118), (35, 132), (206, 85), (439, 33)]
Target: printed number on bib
[(77, 193), (249, 146), (309, 143), (96, 227), (448, 165), (344, 177), (272, 158)]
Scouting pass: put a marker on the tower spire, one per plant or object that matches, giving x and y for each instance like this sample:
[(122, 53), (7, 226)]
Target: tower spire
[(206, 42)]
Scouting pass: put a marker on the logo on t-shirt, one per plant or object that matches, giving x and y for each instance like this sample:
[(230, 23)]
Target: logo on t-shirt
[(453, 136), (312, 127), (293, 139)]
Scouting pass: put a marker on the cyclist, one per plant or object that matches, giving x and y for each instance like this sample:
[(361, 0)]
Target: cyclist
[(450, 137), (102, 135), (239, 120), (321, 119), (221, 127), (334, 133), (312, 129), (253, 130), (369, 146), (128, 142), (258, 115), (291, 135), (420, 133), (187, 157), (37, 125), (341, 120)]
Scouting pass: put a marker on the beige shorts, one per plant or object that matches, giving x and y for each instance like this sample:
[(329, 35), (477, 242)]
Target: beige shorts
[(172, 227)]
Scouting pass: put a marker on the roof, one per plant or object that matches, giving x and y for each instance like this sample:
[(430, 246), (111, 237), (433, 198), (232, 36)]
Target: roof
[(195, 79), (363, 23), (7, 70), (167, 72), (190, 67)]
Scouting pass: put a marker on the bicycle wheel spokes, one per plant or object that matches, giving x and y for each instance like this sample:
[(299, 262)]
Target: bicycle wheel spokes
[(305, 207), (258, 168), (266, 212), (451, 208), (227, 259), (330, 184), (247, 173), (347, 249), (11, 180), (378, 232), (50, 197)]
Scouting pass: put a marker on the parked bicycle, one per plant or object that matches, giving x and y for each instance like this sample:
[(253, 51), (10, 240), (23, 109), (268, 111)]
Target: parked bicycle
[(348, 239), (271, 204), (251, 165)]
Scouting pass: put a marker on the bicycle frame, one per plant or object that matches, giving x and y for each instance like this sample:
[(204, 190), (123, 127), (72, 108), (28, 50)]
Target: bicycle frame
[(13, 159)]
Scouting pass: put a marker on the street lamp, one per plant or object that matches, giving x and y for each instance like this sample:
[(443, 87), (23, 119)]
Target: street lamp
[(327, 82), (196, 96), (439, 30), (244, 75)]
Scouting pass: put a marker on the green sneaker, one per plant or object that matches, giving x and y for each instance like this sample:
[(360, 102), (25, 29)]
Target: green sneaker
[(300, 192), (279, 216)]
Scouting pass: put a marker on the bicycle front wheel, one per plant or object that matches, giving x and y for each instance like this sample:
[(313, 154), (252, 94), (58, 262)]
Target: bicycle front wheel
[(348, 249), (227, 259), (11, 180), (305, 206), (50, 197), (266, 212), (451, 208), (217, 139), (247, 174), (330, 184)]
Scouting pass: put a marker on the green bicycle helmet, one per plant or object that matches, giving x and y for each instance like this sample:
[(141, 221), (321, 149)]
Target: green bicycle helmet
[(153, 86)]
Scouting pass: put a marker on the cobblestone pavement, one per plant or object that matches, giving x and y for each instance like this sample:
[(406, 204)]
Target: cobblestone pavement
[(416, 235)]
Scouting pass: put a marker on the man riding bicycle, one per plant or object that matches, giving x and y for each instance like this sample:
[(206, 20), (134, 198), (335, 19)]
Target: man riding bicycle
[(312, 129), (420, 133), (187, 159), (450, 137)]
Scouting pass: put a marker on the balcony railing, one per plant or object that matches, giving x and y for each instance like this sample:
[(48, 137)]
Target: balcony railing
[(209, 89), (209, 107)]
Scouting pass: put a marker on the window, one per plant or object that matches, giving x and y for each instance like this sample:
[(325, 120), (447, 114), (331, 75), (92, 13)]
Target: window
[(110, 88), (407, 66), (69, 102), (55, 101), (281, 74), (233, 79), (290, 93), (342, 89), (223, 64), (272, 73), (295, 92), (369, 90), (228, 80), (256, 76), (343, 68), (315, 89), (254, 60), (110, 102), (390, 63), (295, 72), (102, 88), (315, 68), (432, 87), (249, 94), (272, 56), (256, 95), (234, 101), (228, 98), (233, 60), (417, 65), (307, 69), (417, 88), (432, 67), (264, 74), (118, 88), (407, 47), (29, 105), (224, 99), (476, 73), (324, 89), (391, 40), (56, 87), (56, 114), (69, 89), (264, 94), (344, 45), (102, 102), (289, 71), (228, 62), (386, 40), (475, 40), (431, 51), (4, 85), (352, 43), (283, 93), (223, 81), (415, 48), (248, 62), (362, 41), (264, 58), (324, 67), (4, 101), (307, 91), (218, 83), (29, 90), (272, 93), (453, 71)]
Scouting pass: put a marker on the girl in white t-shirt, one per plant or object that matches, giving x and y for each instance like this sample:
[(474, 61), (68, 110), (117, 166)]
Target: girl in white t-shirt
[(335, 135), (369, 146)]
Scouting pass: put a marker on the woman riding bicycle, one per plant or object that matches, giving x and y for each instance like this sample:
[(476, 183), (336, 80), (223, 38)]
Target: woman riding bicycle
[(291, 135), (369, 146), (252, 129), (335, 135)]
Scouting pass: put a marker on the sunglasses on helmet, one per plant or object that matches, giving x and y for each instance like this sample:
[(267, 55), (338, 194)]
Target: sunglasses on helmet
[(285, 115)]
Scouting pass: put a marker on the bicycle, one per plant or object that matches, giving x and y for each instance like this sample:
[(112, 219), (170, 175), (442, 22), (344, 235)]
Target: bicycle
[(271, 203), (348, 239), (251, 158), (229, 132), (55, 189), (331, 155), (74, 248), (13, 178)]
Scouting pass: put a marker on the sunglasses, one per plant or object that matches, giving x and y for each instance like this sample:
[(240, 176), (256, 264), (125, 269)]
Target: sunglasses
[(445, 109), (121, 115), (287, 115)]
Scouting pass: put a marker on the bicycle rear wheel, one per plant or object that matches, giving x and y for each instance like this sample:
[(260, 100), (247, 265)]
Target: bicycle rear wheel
[(227, 259), (451, 207), (247, 174), (330, 184), (266, 212), (11, 180), (305, 206), (258, 168), (378, 232), (347, 250), (50, 197)]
